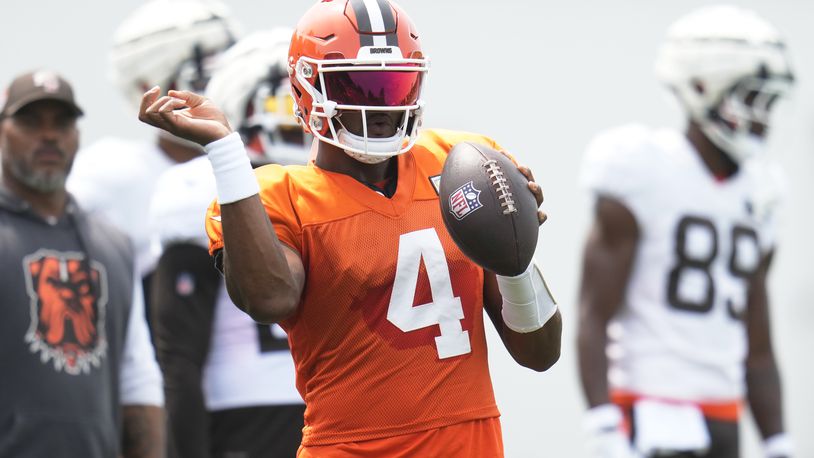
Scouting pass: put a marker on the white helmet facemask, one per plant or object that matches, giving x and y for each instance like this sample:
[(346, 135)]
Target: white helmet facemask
[(726, 65), (193, 74), (281, 138), (729, 125), (371, 150), (369, 83)]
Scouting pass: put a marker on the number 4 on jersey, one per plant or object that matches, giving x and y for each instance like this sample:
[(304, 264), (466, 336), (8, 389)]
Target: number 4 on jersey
[(445, 310)]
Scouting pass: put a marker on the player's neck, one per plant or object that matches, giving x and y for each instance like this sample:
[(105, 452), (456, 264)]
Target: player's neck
[(333, 159), (716, 160), (177, 152)]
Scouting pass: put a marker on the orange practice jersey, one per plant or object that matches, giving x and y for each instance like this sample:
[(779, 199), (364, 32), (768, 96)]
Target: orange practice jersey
[(381, 346)]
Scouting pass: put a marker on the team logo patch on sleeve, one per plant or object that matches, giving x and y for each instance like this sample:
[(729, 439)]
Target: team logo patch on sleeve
[(464, 201), (184, 284), (435, 181), (68, 299)]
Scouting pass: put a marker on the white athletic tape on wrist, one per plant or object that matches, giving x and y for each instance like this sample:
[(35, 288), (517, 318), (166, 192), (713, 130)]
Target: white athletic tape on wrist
[(527, 302), (233, 172), (602, 418), (777, 446)]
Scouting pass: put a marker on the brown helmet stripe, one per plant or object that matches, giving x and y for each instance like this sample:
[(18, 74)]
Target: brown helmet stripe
[(389, 22), (362, 22)]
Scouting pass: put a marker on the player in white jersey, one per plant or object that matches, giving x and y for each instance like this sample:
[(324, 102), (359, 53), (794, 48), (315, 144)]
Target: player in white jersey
[(230, 383), (673, 324), (171, 43)]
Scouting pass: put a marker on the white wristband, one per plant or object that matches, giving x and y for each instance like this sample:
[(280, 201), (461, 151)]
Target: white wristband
[(527, 302), (778, 446), (602, 418), (234, 177)]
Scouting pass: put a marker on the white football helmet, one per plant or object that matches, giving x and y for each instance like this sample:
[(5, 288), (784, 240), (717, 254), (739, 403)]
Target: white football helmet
[(250, 83), (171, 43), (727, 66)]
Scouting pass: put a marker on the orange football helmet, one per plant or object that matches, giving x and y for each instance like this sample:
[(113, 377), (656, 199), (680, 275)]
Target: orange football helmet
[(357, 55)]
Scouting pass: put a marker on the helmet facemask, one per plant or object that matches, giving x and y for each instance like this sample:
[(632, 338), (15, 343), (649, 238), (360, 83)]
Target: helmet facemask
[(364, 85), (194, 73), (270, 119), (730, 124)]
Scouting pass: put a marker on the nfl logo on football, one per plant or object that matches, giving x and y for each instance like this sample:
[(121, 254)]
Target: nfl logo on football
[(464, 201)]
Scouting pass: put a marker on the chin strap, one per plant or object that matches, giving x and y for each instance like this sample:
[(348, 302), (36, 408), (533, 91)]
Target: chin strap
[(382, 149)]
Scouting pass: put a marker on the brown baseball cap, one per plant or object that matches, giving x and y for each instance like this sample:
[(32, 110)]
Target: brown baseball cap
[(35, 86)]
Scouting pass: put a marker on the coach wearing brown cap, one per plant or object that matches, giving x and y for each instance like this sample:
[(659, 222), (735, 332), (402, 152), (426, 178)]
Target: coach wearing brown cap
[(40, 139), (38, 85), (79, 372)]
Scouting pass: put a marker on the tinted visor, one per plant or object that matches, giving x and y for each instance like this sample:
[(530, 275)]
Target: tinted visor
[(373, 88)]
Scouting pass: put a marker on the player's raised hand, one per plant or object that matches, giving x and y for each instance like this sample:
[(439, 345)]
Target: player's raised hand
[(184, 114)]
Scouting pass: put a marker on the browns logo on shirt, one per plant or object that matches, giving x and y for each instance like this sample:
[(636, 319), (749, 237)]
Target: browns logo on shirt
[(67, 309)]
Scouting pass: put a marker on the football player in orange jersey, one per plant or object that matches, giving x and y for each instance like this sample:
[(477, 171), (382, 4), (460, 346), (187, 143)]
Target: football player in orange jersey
[(350, 255)]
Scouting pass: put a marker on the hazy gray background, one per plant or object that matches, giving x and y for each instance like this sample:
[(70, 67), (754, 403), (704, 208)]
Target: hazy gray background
[(541, 78)]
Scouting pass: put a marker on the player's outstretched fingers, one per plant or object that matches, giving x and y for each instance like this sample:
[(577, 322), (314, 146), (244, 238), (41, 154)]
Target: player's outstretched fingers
[(172, 104), (537, 190), (168, 109), (192, 99), (150, 114), (168, 112), (157, 118), (152, 110), (526, 172), (541, 217), (148, 99)]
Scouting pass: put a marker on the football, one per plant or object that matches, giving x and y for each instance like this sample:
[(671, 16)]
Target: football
[(488, 209)]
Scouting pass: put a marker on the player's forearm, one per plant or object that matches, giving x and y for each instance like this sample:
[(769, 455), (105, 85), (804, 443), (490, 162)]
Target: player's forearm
[(258, 278), (593, 362), (143, 432), (526, 316), (257, 272), (764, 394), (537, 350)]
